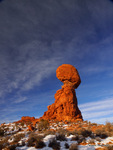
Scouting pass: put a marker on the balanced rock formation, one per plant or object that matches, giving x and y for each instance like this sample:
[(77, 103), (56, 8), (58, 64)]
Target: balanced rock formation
[(65, 106)]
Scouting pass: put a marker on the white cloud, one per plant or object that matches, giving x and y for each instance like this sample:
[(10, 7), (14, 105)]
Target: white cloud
[(34, 62), (20, 99), (97, 114), (93, 104), (102, 120), (99, 111)]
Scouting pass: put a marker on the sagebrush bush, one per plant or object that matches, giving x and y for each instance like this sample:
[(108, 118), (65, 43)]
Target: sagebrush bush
[(1, 132), (68, 133), (101, 133), (66, 146), (18, 137), (34, 139), (110, 147), (4, 142), (1, 146), (75, 138), (39, 144), (62, 131), (11, 147), (43, 125), (54, 144), (49, 132), (73, 146), (109, 128), (85, 132), (31, 142), (61, 137)]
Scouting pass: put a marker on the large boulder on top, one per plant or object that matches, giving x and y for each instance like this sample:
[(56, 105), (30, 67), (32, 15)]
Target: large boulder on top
[(68, 74)]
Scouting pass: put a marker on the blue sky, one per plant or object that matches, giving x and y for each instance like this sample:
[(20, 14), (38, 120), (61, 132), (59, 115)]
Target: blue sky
[(38, 36)]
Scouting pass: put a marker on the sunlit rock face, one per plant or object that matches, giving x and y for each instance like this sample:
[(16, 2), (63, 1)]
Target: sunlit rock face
[(65, 106)]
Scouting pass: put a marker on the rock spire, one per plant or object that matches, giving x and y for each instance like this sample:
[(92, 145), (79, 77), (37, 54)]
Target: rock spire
[(65, 106)]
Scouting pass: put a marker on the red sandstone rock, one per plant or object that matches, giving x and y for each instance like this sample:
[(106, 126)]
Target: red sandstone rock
[(68, 74), (65, 106), (30, 127), (27, 119)]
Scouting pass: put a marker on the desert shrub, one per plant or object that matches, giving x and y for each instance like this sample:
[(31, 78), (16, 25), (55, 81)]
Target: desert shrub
[(68, 133), (109, 128), (22, 124), (75, 138), (43, 125), (18, 137), (54, 144), (34, 139), (81, 139), (49, 132), (101, 133), (35, 136), (1, 146), (73, 146), (62, 131), (1, 132), (109, 147), (39, 144), (94, 124), (12, 147), (66, 146), (85, 132), (61, 137), (4, 142), (104, 135), (31, 142)]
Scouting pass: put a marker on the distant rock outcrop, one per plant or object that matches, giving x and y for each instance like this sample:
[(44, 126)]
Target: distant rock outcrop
[(30, 121), (65, 106)]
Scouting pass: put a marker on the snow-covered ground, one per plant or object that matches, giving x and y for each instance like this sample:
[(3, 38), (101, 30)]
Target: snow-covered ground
[(14, 130)]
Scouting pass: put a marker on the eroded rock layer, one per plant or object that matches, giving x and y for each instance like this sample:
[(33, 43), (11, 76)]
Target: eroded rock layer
[(65, 106)]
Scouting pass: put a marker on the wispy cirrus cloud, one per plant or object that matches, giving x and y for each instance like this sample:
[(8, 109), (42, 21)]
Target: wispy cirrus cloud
[(102, 110), (27, 68), (20, 100)]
